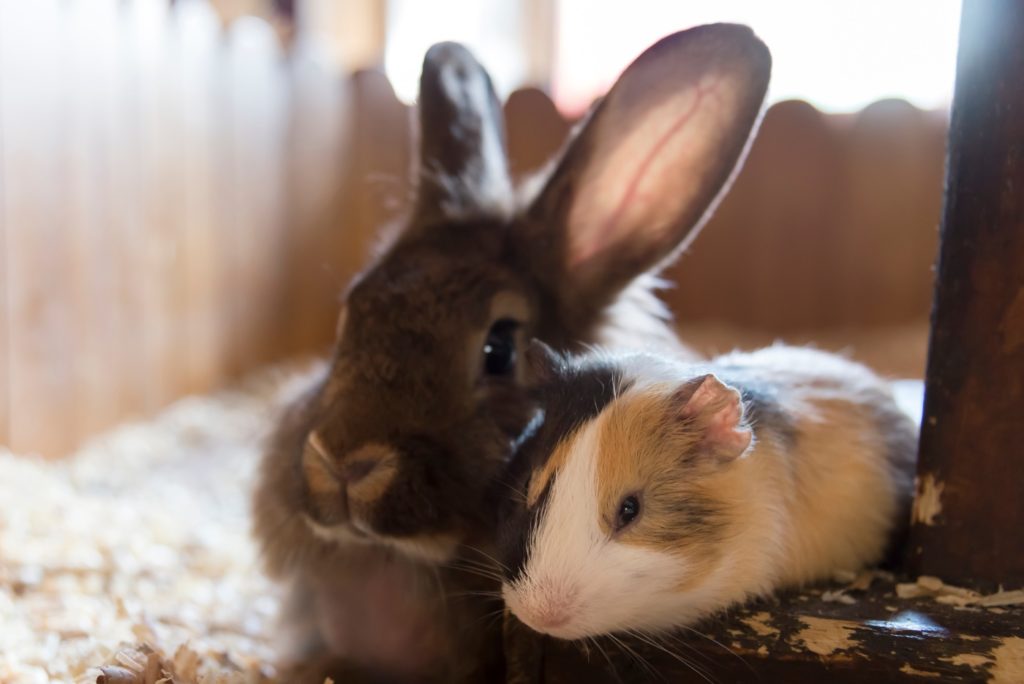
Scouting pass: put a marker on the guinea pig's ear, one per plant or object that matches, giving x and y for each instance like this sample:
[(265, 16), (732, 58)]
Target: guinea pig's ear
[(715, 411), (542, 363), (463, 167), (649, 164)]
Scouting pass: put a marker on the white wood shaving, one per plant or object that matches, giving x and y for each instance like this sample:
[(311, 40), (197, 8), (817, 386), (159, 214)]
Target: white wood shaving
[(927, 586), (854, 581), (838, 596), (131, 561)]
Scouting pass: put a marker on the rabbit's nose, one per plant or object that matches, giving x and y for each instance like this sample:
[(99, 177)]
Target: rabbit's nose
[(368, 471), (327, 497), (354, 471)]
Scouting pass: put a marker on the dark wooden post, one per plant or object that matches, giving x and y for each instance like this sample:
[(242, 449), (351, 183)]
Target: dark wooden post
[(969, 514)]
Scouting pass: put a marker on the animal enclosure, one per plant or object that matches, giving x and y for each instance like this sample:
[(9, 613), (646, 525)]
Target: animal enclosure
[(184, 196)]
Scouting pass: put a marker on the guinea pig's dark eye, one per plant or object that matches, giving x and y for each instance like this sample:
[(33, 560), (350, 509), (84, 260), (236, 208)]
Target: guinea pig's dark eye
[(628, 510), (500, 348)]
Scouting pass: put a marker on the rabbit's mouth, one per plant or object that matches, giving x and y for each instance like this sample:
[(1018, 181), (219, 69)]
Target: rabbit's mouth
[(342, 533), (434, 549)]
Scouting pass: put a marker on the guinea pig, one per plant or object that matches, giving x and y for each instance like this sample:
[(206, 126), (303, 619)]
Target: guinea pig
[(658, 492)]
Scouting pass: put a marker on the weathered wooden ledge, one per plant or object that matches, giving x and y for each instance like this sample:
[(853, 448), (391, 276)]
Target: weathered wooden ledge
[(818, 635)]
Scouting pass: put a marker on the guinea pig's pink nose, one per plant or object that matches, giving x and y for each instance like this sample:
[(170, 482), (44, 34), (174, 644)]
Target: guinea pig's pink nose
[(544, 610), (552, 617)]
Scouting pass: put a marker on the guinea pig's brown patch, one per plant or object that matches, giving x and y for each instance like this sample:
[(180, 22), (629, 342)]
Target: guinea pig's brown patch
[(645, 451), (542, 477)]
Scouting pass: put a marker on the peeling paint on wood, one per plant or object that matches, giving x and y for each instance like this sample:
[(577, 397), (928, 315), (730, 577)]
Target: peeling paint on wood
[(1013, 334), (928, 502), (759, 623), (970, 659), (1009, 667), (824, 636), (907, 669)]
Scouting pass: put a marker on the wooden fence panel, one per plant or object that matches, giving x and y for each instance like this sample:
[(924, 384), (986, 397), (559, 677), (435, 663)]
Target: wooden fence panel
[(5, 368), (145, 191), (318, 124), (256, 227), (887, 215), (34, 118), (145, 162), (769, 241), (205, 331), (535, 131), (376, 176), (94, 201)]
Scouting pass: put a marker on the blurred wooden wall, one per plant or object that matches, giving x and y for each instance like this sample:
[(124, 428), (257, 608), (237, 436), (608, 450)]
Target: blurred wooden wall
[(182, 202), (159, 177)]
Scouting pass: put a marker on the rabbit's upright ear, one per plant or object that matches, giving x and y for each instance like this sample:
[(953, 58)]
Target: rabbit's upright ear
[(463, 167), (644, 171)]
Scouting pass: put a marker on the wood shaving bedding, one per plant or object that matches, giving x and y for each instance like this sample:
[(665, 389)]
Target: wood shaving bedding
[(938, 590), (132, 561)]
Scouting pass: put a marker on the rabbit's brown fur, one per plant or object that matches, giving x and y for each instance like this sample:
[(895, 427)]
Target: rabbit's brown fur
[(377, 495)]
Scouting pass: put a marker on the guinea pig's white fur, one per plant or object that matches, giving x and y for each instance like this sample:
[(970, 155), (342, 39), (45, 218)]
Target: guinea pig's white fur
[(818, 478)]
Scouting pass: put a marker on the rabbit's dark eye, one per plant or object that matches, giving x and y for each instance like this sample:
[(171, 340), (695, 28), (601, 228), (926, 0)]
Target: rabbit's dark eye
[(500, 348), (629, 509)]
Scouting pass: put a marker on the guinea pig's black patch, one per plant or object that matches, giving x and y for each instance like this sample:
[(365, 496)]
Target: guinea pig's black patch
[(576, 391), (514, 537), (581, 388)]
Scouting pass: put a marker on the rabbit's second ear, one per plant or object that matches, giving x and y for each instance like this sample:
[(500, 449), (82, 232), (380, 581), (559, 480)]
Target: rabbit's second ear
[(463, 165), (543, 363), (638, 179)]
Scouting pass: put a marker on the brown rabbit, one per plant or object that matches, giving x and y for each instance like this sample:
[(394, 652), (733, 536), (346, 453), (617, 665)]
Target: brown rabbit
[(376, 495)]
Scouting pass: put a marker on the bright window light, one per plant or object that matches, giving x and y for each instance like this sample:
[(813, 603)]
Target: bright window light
[(840, 56), (490, 28)]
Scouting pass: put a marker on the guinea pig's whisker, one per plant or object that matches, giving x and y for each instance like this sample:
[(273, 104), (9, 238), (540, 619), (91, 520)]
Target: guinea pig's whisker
[(640, 660), (474, 563), (478, 569), (487, 620), (720, 645), (439, 587), (670, 639), (650, 641), (477, 565), (520, 496), (475, 594), (488, 556), (482, 575), (600, 649), (490, 621)]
